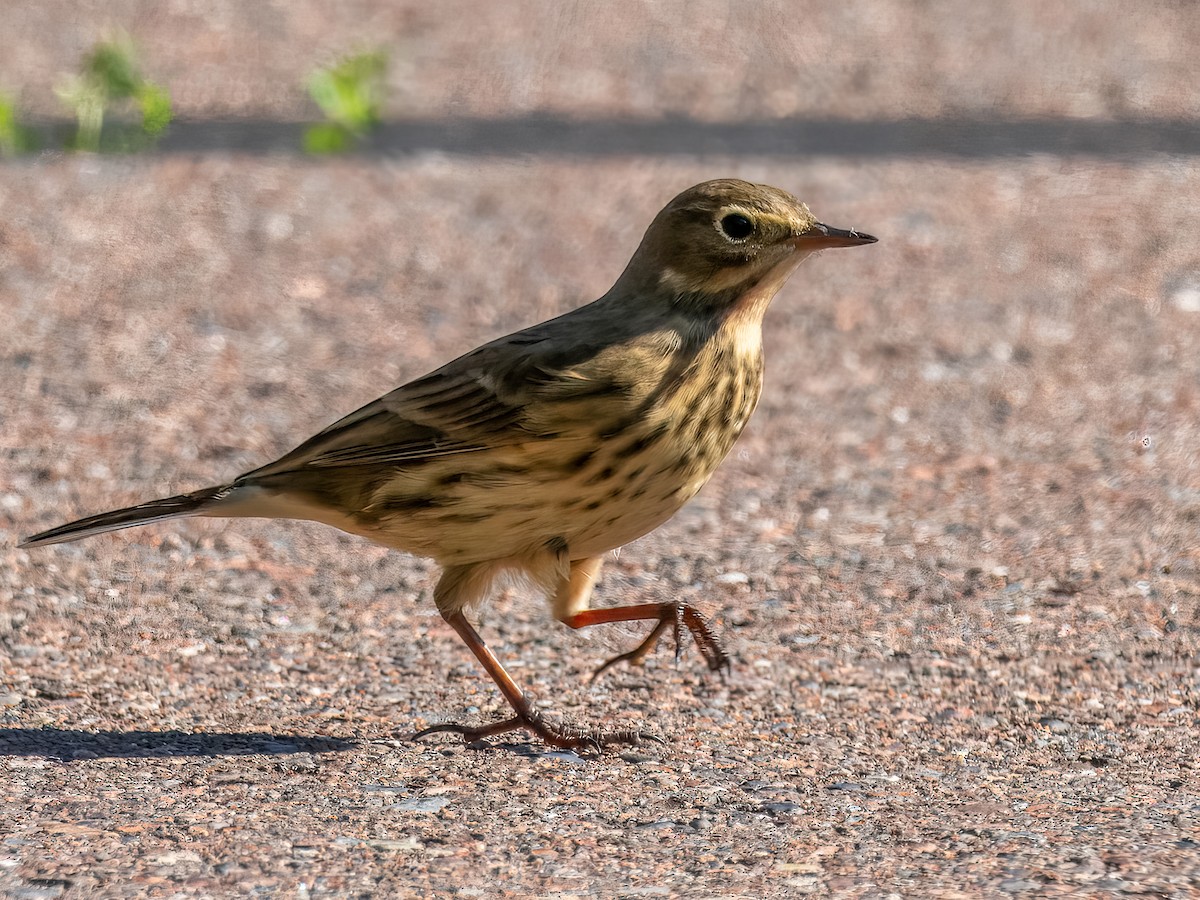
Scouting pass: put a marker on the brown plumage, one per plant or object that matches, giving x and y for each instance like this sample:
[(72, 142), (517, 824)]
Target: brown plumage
[(541, 451)]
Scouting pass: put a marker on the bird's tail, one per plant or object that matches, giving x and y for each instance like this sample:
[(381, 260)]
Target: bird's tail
[(192, 504)]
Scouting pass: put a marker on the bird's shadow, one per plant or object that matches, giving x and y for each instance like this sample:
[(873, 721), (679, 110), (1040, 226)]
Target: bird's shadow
[(69, 745)]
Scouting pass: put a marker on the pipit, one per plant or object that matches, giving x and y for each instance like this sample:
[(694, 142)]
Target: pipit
[(540, 452)]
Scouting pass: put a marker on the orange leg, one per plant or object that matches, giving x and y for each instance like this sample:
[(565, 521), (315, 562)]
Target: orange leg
[(568, 736), (679, 615)]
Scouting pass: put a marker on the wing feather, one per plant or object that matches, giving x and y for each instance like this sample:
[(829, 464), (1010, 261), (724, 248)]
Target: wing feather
[(528, 385), (411, 424)]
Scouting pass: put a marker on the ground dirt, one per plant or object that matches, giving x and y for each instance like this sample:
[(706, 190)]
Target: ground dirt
[(954, 556)]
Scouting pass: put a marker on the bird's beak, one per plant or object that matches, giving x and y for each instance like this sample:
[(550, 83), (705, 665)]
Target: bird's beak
[(820, 237)]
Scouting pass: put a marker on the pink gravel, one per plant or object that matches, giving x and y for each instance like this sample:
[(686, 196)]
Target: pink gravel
[(954, 556)]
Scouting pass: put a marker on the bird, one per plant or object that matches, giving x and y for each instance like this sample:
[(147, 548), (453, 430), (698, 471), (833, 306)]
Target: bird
[(535, 455)]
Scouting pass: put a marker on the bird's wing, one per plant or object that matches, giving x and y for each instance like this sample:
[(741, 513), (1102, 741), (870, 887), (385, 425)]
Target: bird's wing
[(513, 390), (441, 414)]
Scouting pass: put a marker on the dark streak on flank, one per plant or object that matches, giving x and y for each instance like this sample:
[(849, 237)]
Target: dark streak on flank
[(408, 504), (578, 462), (643, 442), (603, 475)]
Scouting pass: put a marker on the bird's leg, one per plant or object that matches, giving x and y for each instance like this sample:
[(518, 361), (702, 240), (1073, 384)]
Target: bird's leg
[(679, 616), (567, 736)]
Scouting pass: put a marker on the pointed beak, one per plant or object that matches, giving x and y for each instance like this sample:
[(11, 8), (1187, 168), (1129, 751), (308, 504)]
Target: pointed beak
[(820, 237)]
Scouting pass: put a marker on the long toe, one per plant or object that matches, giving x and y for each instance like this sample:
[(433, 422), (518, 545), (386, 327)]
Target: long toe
[(564, 736), (705, 637), (471, 734), (634, 657)]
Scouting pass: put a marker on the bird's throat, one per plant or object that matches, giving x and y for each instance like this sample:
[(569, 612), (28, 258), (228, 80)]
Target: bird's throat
[(752, 303)]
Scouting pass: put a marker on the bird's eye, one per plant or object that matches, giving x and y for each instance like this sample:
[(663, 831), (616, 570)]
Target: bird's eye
[(736, 226)]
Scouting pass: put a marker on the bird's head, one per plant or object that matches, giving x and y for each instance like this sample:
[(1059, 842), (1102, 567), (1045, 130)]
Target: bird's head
[(728, 239)]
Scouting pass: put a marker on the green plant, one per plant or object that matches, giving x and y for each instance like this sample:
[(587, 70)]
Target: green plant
[(350, 94), (110, 74), (15, 138)]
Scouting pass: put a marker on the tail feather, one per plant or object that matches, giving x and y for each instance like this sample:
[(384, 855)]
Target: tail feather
[(155, 511)]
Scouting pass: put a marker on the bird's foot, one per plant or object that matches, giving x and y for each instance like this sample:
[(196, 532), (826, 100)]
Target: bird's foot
[(564, 736), (681, 618)]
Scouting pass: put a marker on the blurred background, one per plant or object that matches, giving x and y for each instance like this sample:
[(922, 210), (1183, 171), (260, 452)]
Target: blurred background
[(972, 483)]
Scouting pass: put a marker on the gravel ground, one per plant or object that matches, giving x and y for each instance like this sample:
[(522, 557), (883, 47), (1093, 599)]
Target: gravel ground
[(954, 556)]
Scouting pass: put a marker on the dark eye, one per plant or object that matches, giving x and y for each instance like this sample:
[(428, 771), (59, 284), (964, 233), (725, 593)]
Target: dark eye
[(737, 226)]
